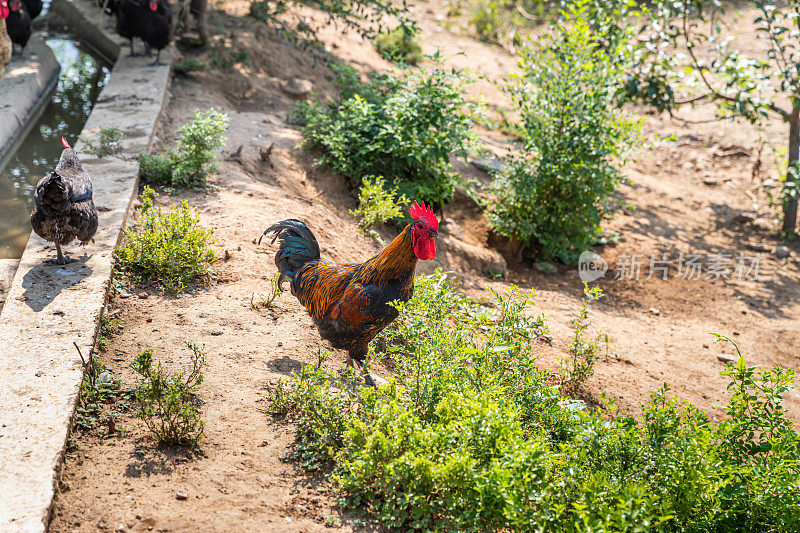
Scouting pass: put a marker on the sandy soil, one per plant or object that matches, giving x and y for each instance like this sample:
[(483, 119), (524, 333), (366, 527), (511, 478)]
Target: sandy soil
[(660, 328)]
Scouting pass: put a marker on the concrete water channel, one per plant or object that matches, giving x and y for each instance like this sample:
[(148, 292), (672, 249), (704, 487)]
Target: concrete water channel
[(50, 308)]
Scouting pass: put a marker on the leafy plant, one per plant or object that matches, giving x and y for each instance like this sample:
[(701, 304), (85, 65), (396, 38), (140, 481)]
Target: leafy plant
[(166, 400), (166, 245), (470, 435), (274, 291), (190, 65), (101, 398), (106, 142), (404, 127), (557, 192), (195, 155), (376, 205), (583, 352), (228, 58), (109, 325), (401, 45)]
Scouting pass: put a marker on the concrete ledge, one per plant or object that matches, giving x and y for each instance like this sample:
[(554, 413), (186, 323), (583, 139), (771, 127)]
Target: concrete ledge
[(48, 306), (7, 269), (26, 86)]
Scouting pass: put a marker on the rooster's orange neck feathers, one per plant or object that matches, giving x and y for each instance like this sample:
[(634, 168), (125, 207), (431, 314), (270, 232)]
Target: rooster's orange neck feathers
[(398, 258)]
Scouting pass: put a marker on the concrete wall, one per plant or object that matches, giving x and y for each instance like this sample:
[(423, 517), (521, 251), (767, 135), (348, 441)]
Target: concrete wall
[(48, 307)]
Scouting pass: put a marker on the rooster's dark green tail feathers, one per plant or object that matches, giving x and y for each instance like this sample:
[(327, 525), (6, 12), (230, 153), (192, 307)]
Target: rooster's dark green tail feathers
[(297, 246)]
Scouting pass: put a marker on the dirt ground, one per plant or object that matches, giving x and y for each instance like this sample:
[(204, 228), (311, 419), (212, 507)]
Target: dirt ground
[(691, 195)]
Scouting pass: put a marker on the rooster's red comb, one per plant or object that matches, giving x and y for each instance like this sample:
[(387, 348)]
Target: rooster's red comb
[(425, 214), (65, 143)]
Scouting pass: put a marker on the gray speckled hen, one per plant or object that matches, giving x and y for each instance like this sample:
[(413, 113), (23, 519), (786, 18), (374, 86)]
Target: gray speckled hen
[(64, 209)]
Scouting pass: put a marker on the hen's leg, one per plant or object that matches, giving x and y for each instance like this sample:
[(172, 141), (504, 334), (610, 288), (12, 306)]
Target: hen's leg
[(133, 50), (158, 59), (61, 260)]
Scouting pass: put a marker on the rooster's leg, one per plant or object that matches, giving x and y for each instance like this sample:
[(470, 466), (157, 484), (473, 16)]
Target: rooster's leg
[(133, 50), (352, 357)]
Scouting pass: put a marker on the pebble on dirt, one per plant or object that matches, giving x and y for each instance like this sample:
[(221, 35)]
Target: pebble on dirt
[(181, 494), (726, 358)]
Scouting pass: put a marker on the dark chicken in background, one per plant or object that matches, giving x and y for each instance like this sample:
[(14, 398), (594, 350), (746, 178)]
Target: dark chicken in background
[(350, 303), (19, 23), (34, 7), (149, 20), (63, 206)]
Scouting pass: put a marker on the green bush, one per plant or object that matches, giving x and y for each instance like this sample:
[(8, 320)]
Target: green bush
[(471, 435), (376, 205), (401, 45), (404, 127), (195, 156), (557, 192), (166, 245), (166, 400), (190, 65)]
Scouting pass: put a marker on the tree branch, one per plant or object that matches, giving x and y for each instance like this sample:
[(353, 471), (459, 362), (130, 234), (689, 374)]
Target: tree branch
[(714, 92)]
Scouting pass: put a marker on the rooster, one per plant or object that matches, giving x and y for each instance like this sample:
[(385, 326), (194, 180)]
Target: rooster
[(63, 206), (350, 303)]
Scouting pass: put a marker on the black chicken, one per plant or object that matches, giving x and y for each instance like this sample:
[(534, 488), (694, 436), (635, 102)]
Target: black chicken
[(150, 20), (34, 7), (157, 31), (63, 208), (19, 23)]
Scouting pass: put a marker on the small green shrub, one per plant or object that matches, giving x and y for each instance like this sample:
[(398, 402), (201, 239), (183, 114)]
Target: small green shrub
[(166, 245), (109, 325), (195, 156), (106, 142), (274, 291), (99, 389), (401, 45), (376, 205), (166, 403), (226, 59), (156, 168), (190, 65), (557, 192), (470, 435), (583, 352), (404, 127)]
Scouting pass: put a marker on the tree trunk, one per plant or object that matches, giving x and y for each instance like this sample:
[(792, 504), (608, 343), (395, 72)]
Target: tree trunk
[(790, 204)]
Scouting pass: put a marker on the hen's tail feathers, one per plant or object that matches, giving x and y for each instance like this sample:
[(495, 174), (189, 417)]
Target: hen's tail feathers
[(297, 247), (52, 193)]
